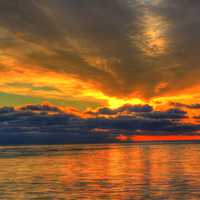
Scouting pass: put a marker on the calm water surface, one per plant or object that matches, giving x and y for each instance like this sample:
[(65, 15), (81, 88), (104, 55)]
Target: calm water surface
[(131, 171)]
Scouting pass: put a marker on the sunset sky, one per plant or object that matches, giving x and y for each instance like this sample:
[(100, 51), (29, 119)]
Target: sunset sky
[(99, 70)]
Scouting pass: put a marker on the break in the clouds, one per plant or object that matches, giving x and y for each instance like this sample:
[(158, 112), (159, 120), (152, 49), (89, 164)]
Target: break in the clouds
[(46, 124), (102, 49)]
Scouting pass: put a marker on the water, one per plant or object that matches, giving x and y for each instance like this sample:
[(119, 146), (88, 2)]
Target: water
[(114, 172)]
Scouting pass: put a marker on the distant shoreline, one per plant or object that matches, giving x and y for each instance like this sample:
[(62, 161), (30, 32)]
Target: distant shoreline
[(105, 143)]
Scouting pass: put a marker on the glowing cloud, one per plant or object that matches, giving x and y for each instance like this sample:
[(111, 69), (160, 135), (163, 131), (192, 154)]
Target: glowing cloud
[(101, 53)]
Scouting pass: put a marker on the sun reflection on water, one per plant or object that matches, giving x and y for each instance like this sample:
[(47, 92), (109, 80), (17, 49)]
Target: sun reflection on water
[(143, 171)]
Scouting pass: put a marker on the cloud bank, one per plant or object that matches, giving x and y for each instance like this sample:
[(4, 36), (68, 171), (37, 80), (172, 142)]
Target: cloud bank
[(48, 124)]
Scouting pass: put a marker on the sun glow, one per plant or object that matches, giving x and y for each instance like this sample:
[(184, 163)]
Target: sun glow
[(152, 138), (113, 102), (29, 79)]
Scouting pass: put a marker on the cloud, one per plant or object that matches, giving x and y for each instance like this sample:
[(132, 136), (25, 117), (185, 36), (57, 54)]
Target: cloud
[(99, 53), (190, 106), (46, 124), (4, 110), (127, 109), (125, 49), (43, 107), (169, 114)]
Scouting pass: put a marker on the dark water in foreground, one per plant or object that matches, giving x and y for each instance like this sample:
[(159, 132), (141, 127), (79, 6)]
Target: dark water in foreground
[(132, 171)]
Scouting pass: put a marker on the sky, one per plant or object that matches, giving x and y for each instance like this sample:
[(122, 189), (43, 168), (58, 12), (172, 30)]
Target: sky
[(119, 69)]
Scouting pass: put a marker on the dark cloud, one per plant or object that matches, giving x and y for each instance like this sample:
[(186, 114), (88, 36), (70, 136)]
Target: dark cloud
[(43, 124), (169, 114), (5, 110), (134, 125), (190, 106), (29, 127), (27, 18), (127, 47), (127, 109), (43, 107), (135, 108)]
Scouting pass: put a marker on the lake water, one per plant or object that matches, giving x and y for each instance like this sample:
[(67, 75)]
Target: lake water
[(109, 171)]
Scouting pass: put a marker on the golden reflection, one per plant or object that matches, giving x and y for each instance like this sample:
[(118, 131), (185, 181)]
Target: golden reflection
[(100, 171)]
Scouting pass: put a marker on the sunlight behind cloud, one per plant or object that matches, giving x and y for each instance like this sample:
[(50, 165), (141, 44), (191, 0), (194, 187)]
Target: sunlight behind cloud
[(153, 40)]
